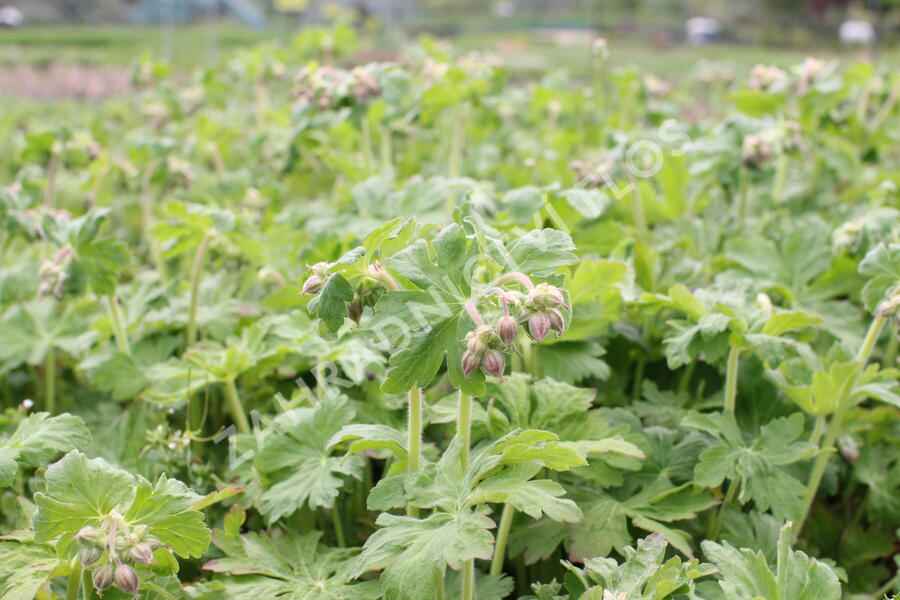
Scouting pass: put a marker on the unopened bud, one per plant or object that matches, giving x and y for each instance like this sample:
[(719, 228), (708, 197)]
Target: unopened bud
[(126, 579), (142, 553), (507, 329), (494, 363), (470, 362), (88, 555), (849, 447), (140, 532), (102, 577), (312, 285), (88, 536), (539, 325), (475, 342), (355, 310), (556, 320)]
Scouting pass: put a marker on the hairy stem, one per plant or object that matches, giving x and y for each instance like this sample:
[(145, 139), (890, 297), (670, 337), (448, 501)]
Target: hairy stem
[(506, 519), (818, 430), (837, 423), (414, 444), (731, 377), (468, 580), (115, 317), (196, 277), (522, 278), (235, 407), (472, 309)]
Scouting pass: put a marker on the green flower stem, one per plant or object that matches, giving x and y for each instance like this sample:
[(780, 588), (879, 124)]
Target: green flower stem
[(464, 431), (115, 317), (468, 581), (506, 519), (439, 592), (414, 445), (50, 381), (74, 583), (87, 585), (235, 407), (731, 377), (837, 423), (890, 353), (715, 523), (338, 526), (196, 277), (818, 430)]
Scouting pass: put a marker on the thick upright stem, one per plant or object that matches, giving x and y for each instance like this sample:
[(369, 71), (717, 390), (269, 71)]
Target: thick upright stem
[(837, 423), (464, 431), (468, 580), (74, 583), (50, 381), (716, 523), (196, 277), (338, 526), (115, 317), (414, 443), (464, 427), (235, 407), (506, 519), (731, 377)]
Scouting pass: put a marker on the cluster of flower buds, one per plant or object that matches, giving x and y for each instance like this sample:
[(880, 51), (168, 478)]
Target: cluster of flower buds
[(539, 309), (328, 88), (765, 77), (313, 284), (755, 151), (807, 72), (367, 293), (483, 350), (54, 272), (109, 550), (542, 307)]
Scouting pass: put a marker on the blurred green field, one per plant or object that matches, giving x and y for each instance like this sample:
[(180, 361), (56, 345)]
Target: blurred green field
[(527, 50)]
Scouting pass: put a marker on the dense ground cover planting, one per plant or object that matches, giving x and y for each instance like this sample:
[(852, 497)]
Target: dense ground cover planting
[(287, 329)]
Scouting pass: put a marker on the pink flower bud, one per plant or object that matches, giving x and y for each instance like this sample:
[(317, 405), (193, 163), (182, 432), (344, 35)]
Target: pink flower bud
[(539, 325), (102, 577), (312, 285), (475, 342), (507, 329), (849, 447), (89, 555), (142, 553), (494, 363), (556, 321), (470, 362), (126, 579)]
